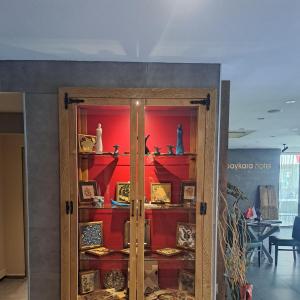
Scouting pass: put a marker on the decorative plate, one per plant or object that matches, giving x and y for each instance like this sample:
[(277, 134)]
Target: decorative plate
[(99, 251), (114, 279), (168, 251)]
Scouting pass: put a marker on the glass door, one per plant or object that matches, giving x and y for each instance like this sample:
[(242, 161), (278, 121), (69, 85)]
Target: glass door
[(171, 160), (104, 260)]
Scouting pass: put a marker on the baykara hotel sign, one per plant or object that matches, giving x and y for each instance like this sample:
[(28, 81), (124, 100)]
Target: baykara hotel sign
[(243, 166)]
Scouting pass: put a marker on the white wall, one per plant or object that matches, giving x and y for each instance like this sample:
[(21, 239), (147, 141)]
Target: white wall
[(12, 204)]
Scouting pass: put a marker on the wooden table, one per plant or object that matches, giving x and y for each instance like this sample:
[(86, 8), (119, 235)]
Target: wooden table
[(261, 230)]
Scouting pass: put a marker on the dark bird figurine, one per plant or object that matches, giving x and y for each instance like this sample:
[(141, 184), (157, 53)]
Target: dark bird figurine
[(147, 151)]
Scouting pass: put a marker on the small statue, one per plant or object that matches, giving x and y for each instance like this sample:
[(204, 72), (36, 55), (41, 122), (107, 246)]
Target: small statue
[(116, 152), (156, 152), (179, 145), (170, 150), (99, 145), (147, 151)]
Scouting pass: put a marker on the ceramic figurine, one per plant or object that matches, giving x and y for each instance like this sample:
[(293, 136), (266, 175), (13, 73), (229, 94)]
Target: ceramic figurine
[(156, 152), (147, 151), (116, 152), (170, 150), (99, 145), (179, 145)]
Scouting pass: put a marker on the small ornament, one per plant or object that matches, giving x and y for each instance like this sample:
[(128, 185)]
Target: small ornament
[(170, 150), (116, 152), (147, 151), (179, 145), (99, 145), (156, 152)]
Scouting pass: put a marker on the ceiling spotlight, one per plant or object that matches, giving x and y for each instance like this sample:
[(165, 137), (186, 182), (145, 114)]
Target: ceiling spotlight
[(272, 136), (285, 147), (260, 118), (290, 101), (273, 111)]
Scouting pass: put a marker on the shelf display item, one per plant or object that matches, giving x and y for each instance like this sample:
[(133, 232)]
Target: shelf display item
[(157, 150), (186, 282), (188, 193), (98, 201), (114, 279), (86, 143), (101, 251), (161, 193), (150, 277), (116, 151), (125, 251), (147, 151), (186, 236), (170, 149), (90, 235), (123, 192), (105, 294), (99, 145), (168, 251), (147, 237), (179, 144), (87, 191), (88, 281)]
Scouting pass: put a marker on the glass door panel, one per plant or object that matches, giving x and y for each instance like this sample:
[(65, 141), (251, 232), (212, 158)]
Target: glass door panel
[(106, 204), (170, 176)]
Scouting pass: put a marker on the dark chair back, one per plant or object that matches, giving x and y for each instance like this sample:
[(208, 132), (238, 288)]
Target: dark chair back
[(296, 229)]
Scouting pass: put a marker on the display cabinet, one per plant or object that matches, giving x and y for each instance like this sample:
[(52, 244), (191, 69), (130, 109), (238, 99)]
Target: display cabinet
[(137, 193)]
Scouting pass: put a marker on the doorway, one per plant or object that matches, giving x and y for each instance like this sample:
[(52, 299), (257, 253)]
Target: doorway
[(13, 214)]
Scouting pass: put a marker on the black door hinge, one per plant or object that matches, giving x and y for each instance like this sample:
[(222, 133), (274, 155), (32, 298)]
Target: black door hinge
[(69, 207), (203, 208), (203, 101), (71, 101)]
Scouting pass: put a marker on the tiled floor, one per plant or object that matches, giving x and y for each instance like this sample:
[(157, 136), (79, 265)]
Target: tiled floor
[(276, 283), (13, 289)]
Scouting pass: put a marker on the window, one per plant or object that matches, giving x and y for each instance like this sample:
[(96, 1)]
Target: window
[(288, 188)]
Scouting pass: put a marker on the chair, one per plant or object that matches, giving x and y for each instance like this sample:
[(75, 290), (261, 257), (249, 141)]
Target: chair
[(294, 242), (253, 244)]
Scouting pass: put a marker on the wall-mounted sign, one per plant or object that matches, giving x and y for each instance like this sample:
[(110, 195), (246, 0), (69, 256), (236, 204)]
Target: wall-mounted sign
[(247, 166)]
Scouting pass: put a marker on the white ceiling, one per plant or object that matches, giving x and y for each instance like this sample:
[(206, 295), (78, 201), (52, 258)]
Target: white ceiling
[(256, 41)]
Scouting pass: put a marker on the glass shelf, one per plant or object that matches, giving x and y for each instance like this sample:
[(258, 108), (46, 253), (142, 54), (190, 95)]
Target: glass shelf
[(116, 255), (110, 154), (147, 207)]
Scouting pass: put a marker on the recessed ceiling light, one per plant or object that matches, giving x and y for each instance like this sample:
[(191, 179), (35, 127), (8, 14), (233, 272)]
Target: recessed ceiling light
[(272, 136), (260, 118), (273, 111), (290, 101)]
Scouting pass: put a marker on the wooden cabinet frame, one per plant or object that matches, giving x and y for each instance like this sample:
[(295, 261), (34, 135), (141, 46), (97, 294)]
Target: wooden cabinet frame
[(206, 179)]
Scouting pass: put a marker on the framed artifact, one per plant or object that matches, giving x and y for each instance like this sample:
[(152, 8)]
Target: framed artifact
[(88, 281), (147, 240), (90, 235), (186, 282), (114, 279), (188, 193), (86, 143), (123, 192), (87, 190), (168, 251), (150, 277), (161, 192), (186, 236)]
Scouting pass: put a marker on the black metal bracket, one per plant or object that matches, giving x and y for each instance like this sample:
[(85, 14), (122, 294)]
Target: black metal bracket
[(203, 101), (203, 208), (69, 207), (68, 100)]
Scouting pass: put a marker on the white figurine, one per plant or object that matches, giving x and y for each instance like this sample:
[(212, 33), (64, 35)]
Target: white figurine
[(99, 145)]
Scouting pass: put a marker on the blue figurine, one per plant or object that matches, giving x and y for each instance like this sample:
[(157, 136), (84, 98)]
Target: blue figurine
[(179, 145)]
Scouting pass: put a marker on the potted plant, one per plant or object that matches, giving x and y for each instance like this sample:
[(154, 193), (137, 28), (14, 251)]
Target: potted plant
[(233, 244)]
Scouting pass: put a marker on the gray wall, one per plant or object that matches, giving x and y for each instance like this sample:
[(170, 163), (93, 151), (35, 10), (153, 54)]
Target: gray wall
[(40, 81), (249, 168)]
